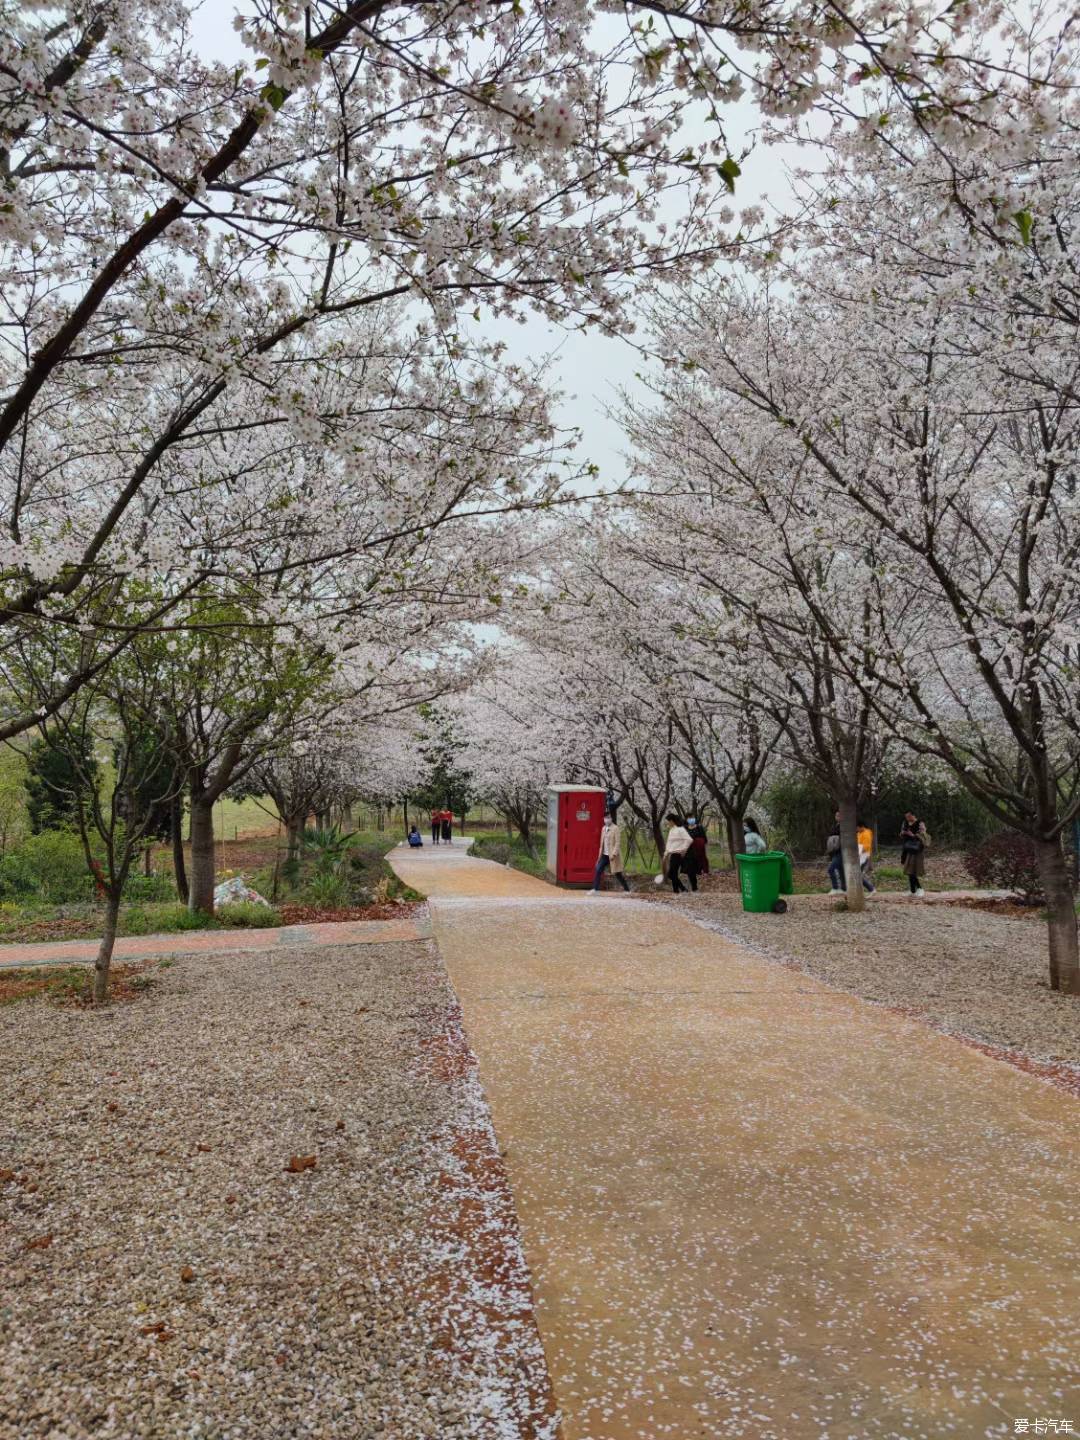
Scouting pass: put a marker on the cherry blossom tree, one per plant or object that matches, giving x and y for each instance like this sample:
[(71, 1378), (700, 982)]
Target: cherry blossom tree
[(919, 373), (185, 245)]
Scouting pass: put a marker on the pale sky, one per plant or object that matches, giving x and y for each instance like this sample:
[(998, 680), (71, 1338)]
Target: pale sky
[(589, 368)]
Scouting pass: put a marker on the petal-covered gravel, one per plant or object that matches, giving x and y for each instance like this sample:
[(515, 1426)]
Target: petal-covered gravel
[(967, 972), (263, 1200)]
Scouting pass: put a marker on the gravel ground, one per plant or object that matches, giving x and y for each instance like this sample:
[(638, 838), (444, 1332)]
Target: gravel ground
[(165, 1274), (965, 971)]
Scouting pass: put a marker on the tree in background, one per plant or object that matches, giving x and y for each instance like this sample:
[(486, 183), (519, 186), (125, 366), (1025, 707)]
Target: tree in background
[(440, 744), (55, 773)]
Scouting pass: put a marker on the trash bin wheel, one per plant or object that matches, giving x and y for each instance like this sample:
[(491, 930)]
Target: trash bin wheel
[(780, 908)]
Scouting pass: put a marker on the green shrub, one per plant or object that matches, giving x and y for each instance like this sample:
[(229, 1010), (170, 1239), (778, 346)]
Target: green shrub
[(149, 887), (49, 868), (802, 814), (160, 919), (247, 916)]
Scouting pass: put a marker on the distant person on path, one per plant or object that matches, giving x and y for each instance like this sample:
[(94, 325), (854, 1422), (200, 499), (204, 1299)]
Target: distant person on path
[(447, 819), (753, 840), (414, 838), (699, 849), (610, 857), (436, 826), (865, 837), (913, 843), (836, 858), (675, 850)]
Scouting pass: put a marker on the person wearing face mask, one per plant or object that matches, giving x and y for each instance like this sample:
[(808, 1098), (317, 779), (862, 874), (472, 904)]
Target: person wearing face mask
[(610, 857)]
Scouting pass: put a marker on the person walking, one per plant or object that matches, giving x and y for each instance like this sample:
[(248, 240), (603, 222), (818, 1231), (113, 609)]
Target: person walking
[(436, 826), (610, 857), (447, 819), (913, 843), (699, 849), (753, 840), (865, 837), (677, 844), (836, 859)]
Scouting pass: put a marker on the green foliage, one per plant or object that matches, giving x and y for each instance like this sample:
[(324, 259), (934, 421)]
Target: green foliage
[(49, 867), (161, 920), (509, 852), (802, 814), (14, 816), (159, 888), (247, 916), (151, 778), (54, 776), (449, 786)]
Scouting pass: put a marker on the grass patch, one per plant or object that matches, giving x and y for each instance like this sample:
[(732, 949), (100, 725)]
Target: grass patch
[(41, 924), (509, 852)]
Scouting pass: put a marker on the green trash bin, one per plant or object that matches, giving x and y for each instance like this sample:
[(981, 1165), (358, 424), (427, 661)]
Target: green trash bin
[(759, 880), (787, 874)]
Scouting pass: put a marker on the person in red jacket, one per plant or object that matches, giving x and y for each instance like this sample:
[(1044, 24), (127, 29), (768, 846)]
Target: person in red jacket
[(436, 826), (700, 846)]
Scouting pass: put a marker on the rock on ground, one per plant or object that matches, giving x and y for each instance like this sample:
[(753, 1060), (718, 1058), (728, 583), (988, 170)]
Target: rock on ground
[(968, 972), (176, 1266)]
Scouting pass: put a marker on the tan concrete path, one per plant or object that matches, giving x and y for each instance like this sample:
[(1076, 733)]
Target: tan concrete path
[(754, 1206)]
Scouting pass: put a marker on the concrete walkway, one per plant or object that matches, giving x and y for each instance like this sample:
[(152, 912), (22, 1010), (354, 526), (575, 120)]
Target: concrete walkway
[(754, 1206), (221, 942)]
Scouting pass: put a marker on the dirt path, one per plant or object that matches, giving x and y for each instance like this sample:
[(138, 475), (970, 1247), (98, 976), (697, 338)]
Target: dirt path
[(753, 1205)]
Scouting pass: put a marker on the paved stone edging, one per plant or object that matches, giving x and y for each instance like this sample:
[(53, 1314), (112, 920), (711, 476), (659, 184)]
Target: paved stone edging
[(220, 942)]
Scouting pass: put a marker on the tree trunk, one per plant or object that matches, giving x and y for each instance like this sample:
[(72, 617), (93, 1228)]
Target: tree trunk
[(179, 867), (148, 858), (524, 829), (295, 834), (105, 949), (1060, 907), (734, 836), (849, 848), (201, 899), (658, 840)]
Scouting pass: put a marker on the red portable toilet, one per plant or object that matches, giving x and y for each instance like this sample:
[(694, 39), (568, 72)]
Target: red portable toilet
[(575, 819)]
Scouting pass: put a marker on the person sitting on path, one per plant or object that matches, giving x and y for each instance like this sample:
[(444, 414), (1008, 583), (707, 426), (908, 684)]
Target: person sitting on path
[(436, 826), (447, 818), (610, 857), (836, 859), (753, 840), (414, 838), (678, 843), (913, 843), (865, 837)]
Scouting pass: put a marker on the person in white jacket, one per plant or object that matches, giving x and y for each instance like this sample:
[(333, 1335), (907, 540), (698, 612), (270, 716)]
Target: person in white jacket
[(678, 845)]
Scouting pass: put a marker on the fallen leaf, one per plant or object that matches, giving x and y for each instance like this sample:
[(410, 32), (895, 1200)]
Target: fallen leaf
[(187, 1274), (41, 1243), (112, 1106), (297, 1163), (340, 1125), (6, 1175), (200, 1146), (230, 1199)]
